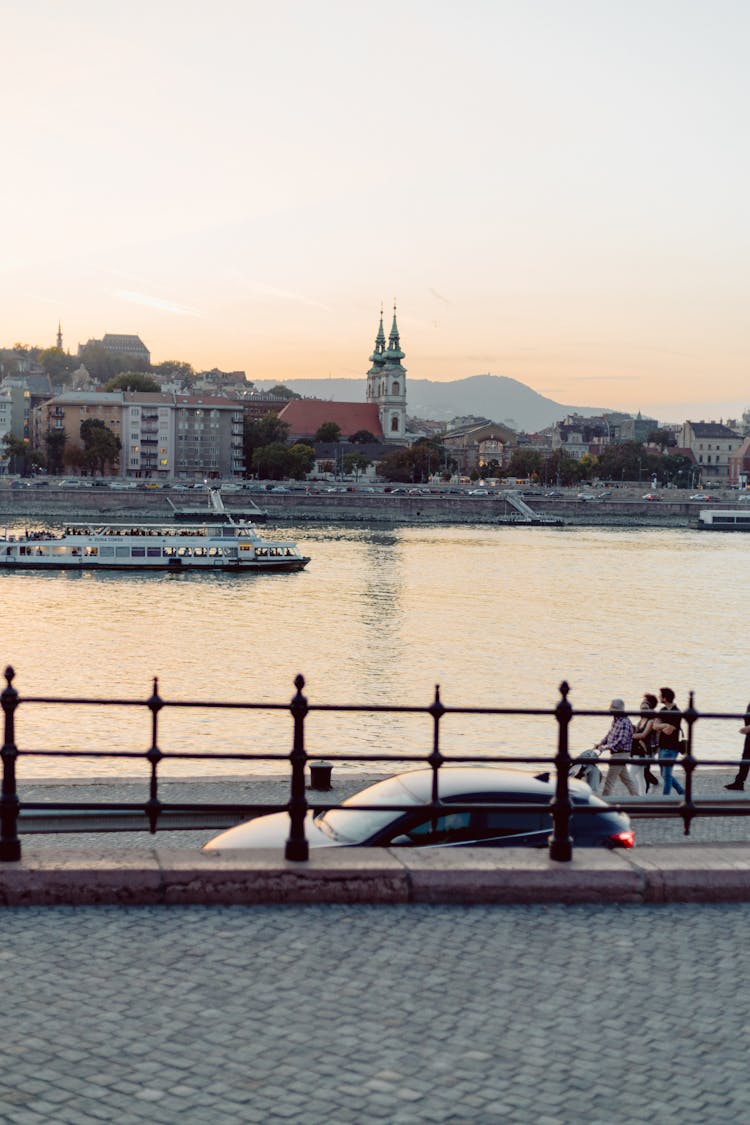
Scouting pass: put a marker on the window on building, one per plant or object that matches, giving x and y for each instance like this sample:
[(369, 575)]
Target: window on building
[(394, 423)]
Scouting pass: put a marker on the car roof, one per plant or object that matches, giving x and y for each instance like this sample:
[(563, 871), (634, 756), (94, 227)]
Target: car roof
[(457, 781)]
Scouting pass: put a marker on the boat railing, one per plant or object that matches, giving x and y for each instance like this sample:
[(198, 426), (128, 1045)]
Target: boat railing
[(557, 763)]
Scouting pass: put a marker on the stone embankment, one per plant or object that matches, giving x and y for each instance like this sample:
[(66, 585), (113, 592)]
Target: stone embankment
[(622, 508)]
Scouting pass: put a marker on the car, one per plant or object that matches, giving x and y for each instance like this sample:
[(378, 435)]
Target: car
[(701, 496), (586, 496), (650, 496), (354, 825), (279, 488), (482, 492)]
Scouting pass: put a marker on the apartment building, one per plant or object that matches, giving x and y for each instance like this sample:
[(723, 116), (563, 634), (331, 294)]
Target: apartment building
[(162, 436)]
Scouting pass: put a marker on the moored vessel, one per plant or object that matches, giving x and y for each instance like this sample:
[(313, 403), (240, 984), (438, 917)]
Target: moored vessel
[(723, 519), (197, 546)]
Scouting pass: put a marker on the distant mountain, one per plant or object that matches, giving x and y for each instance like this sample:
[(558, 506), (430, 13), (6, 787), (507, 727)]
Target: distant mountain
[(490, 396)]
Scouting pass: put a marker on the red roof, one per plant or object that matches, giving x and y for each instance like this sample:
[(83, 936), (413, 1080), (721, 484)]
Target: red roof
[(305, 416)]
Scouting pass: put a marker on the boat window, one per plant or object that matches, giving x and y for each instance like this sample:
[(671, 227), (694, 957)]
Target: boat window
[(199, 552), (139, 552), (106, 552), (122, 552), (183, 551), (91, 551), (153, 552)]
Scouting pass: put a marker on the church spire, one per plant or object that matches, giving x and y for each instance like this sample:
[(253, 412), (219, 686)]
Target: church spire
[(59, 335), (377, 359), (394, 353)]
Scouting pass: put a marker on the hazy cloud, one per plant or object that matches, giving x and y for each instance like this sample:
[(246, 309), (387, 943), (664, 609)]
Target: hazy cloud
[(440, 297), (154, 302)]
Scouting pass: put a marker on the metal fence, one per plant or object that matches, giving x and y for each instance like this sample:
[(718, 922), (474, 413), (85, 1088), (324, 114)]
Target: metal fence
[(161, 814)]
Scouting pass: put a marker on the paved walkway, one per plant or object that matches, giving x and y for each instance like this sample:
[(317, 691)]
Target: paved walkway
[(357, 1015)]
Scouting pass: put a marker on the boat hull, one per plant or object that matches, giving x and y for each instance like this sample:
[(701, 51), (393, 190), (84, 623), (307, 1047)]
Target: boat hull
[(173, 566)]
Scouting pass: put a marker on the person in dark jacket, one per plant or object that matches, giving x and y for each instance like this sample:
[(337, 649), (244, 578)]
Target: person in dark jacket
[(645, 740), (669, 739), (742, 772)]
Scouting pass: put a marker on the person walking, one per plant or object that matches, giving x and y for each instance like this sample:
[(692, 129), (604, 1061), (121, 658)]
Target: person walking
[(645, 741), (619, 741), (669, 739), (742, 772)]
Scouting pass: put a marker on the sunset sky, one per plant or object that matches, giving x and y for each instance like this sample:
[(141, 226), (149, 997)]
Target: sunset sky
[(553, 190)]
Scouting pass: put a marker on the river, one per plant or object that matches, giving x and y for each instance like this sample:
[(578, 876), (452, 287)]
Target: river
[(498, 616)]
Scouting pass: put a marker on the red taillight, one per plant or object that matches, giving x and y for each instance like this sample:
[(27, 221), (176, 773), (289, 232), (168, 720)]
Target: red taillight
[(623, 839)]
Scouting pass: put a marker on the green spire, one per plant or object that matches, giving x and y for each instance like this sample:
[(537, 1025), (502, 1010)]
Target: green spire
[(378, 356), (394, 353)]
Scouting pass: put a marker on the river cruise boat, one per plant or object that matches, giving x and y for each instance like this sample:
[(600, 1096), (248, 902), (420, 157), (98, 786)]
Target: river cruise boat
[(727, 519), (230, 546)]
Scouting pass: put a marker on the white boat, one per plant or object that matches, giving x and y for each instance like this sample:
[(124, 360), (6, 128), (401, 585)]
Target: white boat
[(114, 546), (723, 519)]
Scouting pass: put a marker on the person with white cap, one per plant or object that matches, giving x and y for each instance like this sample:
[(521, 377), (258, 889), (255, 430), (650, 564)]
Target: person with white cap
[(619, 742)]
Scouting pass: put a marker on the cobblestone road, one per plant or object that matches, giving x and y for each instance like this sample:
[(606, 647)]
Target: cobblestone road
[(398, 1015)]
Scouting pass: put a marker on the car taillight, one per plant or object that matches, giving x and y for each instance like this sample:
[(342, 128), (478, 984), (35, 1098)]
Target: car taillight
[(623, 839)]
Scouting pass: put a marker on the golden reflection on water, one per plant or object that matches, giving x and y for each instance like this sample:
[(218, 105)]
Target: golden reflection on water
[(498, 616)]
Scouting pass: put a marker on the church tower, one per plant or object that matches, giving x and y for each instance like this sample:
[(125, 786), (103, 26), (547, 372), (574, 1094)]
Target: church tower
[(59, 335), (386, 383)]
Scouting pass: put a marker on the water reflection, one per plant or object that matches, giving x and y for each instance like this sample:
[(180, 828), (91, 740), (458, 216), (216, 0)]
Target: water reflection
[(497, 616)]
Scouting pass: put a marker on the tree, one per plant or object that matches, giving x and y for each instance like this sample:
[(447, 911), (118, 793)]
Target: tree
[(280, 391), (175, 369), (258, 432), (355, 463), (328, 431), (100, 446), (272, 461), (133, 381), (363, 437), (302, 459), (627, 461), (56, 363), (525, 462), (54, 441), (666, 439), (18, 452), (101, 364), (561, 468)]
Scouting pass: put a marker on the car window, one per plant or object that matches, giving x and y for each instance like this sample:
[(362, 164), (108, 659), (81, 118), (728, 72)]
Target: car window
[(443, 829), (513, 823)]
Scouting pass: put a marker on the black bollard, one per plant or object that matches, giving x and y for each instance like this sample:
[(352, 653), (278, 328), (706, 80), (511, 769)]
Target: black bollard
[(320, 775)]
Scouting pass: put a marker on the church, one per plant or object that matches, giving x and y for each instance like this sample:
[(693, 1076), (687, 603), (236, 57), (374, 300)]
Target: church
[(383, 414)]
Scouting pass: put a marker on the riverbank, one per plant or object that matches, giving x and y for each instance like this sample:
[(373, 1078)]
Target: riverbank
[(623, 508)]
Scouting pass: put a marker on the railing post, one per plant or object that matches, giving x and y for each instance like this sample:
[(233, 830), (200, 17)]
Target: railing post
[(561, 842), (436, 759), (10, 845), (297, 847), (154, 756), (688, 763)]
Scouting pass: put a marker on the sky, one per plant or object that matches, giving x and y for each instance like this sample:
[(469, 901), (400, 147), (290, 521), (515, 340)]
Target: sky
[(554, 190)]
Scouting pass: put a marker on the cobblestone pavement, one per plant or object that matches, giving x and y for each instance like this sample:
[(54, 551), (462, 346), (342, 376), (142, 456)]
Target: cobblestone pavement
[(357, 1015)]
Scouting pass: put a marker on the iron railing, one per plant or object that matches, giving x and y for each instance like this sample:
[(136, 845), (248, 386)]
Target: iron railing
[(155, 811)]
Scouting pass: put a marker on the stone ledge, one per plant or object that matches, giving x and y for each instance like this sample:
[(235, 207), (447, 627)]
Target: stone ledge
[(149, 876)]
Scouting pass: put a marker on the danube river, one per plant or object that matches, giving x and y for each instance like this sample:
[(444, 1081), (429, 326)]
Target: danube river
[(498, 616)]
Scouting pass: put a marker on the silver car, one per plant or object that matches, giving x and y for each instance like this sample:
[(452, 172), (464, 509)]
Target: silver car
[(412, 825)]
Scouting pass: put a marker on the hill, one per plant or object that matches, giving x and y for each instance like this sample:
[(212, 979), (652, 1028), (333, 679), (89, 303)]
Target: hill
[(491, 396)]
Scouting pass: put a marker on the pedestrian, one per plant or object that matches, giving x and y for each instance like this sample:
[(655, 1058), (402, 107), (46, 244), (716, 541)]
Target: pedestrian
[(669, 740), (742, 772), (619, 741), (645, 740)]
